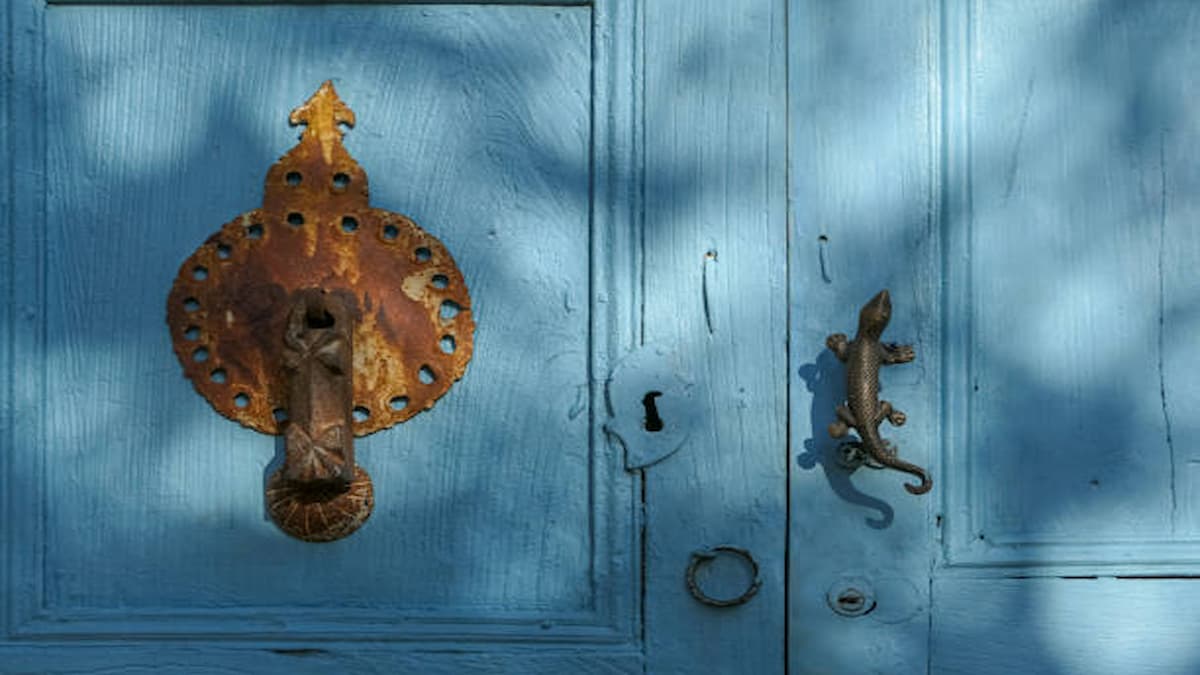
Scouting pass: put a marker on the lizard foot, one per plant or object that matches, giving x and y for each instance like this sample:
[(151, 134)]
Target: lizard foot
[(838, 429), (896, 353)]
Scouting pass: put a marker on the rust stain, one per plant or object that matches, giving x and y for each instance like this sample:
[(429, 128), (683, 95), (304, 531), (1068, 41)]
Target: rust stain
[(227, 310)]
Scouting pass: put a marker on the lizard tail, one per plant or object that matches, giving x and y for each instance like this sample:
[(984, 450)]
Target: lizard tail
[(891, 461), (926, 482)]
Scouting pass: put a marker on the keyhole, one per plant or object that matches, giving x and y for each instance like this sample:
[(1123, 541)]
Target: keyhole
[(652, 422), (318, 319), (851, 600)]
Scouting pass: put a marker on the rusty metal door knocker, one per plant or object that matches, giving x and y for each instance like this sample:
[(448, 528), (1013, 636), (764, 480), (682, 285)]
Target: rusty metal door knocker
[(320, 318)]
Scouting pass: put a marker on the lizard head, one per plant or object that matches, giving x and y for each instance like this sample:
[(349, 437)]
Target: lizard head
[(875, 315)]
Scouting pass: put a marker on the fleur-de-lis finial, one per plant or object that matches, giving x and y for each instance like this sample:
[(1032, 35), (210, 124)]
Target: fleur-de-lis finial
[(322, 113)]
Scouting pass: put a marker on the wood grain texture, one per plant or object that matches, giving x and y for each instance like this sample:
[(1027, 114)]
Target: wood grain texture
[(497, 517), (27, 162), (1069, 321), (1078, 168), (8, 308), (305, 659), (1065, 626), (862, 195), (714, 291), (560, 3)]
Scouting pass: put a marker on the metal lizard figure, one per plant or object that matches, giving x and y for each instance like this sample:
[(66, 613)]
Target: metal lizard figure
[(863, 411)]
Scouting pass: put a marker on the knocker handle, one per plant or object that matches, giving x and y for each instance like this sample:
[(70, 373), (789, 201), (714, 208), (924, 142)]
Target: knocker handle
[(705, 556), (319, 494)]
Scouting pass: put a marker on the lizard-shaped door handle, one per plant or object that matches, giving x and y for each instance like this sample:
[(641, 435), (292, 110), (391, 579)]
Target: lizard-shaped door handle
[(863, 411)]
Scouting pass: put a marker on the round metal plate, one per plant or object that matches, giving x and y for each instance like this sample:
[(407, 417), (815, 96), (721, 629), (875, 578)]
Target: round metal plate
[(228, 307)]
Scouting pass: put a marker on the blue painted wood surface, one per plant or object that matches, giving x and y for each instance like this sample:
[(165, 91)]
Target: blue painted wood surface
[(861, 192), (1023, 177), (508, 537), (726, 181), (714, 290)]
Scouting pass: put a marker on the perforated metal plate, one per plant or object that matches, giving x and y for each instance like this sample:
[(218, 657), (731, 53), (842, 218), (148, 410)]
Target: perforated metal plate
[(228, 307)]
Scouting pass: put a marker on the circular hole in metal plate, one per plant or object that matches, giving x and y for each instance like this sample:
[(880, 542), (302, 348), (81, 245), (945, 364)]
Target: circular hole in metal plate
[(422, 254), (242, 399), (340, 181), (254, 231), (447, 344), (426, 375), (217, 376), (361, 413), (191, 304), (295, 219), (390, 232), (440, 281), (200, 355), (398, 402), (200, 273), (450, 309), (349, 224), (192, 333), (224, 251)]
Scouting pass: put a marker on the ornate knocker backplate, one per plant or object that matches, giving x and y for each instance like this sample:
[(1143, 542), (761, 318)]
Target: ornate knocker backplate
[(322, 318)]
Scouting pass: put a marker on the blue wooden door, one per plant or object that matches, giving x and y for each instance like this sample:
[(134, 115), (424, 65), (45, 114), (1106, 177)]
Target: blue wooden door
[(664, 203), (600, 172), (1023, 177)]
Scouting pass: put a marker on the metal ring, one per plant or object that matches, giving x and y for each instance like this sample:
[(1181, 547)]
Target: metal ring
[(705, 555)]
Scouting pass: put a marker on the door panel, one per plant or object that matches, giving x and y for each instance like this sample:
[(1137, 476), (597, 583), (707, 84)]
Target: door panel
[(565, 153), (714, 292), (1080, 283), (862, 186), (1022, 178), (142, 508), (1075, 186), (137, 133)]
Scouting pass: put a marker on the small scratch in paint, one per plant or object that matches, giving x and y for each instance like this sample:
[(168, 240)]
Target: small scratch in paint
[(580, 402), (710, 259), (822, 242), (1015, 154), (1162, 311)]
